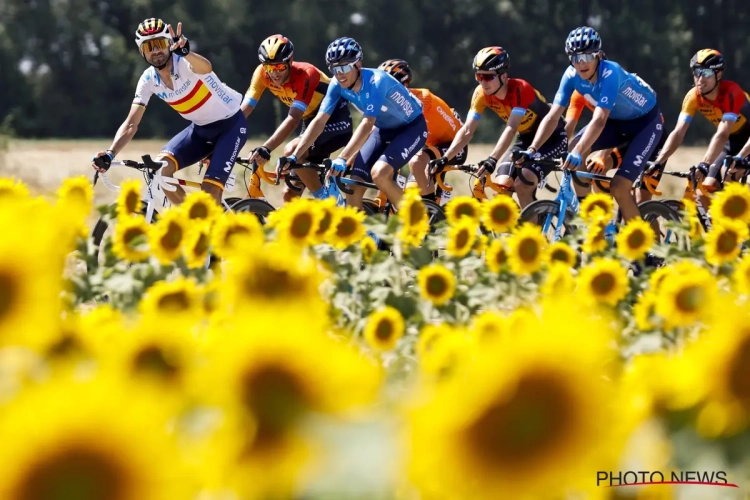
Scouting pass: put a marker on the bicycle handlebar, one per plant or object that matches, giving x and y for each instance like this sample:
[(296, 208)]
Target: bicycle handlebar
[(147, 164)]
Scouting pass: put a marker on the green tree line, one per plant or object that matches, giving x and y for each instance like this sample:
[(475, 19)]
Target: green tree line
[(68, 68)]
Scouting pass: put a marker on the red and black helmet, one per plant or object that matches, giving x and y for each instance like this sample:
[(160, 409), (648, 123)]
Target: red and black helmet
[(494, 59), (276, 49), (708, 59), (398, 69)]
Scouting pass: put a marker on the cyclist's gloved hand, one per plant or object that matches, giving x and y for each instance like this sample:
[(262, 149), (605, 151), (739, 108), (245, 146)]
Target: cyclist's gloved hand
[(284, 163), (487, 166), (436, 166), (260, 155), (180, 43), (702, 170), (524, 156), (338, 165), (741, 162), (596, 165), (574, 159), (102, 160), (653, 167)]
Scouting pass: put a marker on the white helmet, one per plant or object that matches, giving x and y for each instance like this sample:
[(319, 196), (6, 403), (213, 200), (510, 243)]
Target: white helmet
[(151, 29)]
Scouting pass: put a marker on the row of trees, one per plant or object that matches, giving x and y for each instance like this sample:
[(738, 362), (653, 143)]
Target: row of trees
[(69, 67)]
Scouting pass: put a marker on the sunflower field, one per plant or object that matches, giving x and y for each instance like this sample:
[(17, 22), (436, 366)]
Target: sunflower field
[(308, 361)]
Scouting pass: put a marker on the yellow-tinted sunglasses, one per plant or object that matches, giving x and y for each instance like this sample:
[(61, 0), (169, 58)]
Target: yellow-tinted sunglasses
[(155, 44)]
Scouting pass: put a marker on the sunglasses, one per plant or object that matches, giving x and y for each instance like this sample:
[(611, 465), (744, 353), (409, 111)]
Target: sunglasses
[(278, 68), (155, 44), (341, 70), (485, 77), (583, 58), (703, 72)]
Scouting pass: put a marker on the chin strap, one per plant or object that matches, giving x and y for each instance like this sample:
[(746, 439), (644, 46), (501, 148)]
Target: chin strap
[(596, 71), (359, 73), (718, 81)]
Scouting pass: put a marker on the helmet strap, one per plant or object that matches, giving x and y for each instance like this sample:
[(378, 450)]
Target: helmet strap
[(596, 71), (718, 81), (359, 74), (500, 79)]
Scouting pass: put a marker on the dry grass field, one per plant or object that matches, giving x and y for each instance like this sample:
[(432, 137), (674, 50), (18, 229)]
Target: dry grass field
[(43, 164)]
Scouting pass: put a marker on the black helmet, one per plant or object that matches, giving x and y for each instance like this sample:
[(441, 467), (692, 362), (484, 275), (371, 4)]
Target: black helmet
[(708, 59), (582, 40), (276, 49), (398, 69), (342, 51), (492, 59)]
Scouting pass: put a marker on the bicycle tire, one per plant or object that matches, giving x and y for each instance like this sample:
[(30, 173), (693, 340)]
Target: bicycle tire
[(232, 200), (101, 226), (537, 211), (675, 205), (370, 207), (652, 209), (260, 208), (435, 213)]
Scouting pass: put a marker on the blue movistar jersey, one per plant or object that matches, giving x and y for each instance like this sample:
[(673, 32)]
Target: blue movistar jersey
[(624, 94), (381, 96)]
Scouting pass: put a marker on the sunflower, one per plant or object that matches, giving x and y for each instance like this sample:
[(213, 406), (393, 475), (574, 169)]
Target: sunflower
[(500, 214), (130, 241), (368, 247), (196, 245), (167, 235), (199, 205), (463, 207), (559, 280), (449, 356), (741, 275), (604, 281), (77, 194), (687, 296), (328, 210), (461, 237), (347, 227), (414, 218), (232, 227), (526, 407), (429, 336), (489, 326), (526, 249), (66, 453), (724, 239), (560, 252), (643, 311), (172, 300), (13, 189), (384, 328), (597, 206), (129, 199), (596, 240), (481, 244), (436, 284), (296, 222), (733, 202), (496, 256), (635, 239)]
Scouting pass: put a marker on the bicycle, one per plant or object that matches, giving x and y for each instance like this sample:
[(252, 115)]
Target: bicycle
[(150, 170), (565, 206)]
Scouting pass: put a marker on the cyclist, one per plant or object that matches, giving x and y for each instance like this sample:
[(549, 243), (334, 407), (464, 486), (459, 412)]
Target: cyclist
[(392, 131), (184, 80), (602, 161), (726, 105), (301, 86), (521, 107), (626, 110), (442, 124)]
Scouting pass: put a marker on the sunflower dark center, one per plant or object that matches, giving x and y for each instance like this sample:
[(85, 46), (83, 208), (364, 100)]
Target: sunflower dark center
[(172, 237), (8, 293)]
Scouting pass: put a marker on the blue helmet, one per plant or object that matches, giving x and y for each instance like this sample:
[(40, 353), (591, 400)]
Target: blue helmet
[(583, 39), (343, 50)]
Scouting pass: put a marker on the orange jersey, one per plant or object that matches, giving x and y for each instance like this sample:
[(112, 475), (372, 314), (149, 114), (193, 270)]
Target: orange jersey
[(521, 99), (577, 103), (442, 124), (731, 104), (304, 89)]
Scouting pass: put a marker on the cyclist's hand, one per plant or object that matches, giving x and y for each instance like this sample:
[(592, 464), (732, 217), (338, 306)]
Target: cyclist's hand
[(524, 156), (434, 167), (573, 160), (260, 155), (102, 160), (596, 165), (338, 166), (486, 166), (652, 167), (180, 43), (284, 163), (701, 172)]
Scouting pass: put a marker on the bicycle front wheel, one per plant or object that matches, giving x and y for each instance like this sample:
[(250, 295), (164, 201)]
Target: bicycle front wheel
[(538, 212), (260, 208)]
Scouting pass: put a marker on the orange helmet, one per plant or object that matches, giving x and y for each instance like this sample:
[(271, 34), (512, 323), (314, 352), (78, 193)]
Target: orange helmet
[(276, 49), (398, 69), (492, 59), (708, 59)]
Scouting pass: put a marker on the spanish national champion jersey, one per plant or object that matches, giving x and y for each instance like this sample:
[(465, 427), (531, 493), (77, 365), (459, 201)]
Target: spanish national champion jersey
[(303, 90), (381, 96), (521, 99), (732, 104), (442, 124), (624, 94), (202, 99)]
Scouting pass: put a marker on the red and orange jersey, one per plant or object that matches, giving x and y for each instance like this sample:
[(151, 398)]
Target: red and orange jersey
[(577, 103), (731, 104), (442, 124), (521, 99), (304, 89)]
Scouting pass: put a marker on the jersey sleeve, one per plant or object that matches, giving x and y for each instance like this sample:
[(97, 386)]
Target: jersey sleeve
[(305, 88), (689, 106), (735, 101), (144, 90), (478, 104), (522, 97), (378, 89), (333, 95), (610, 86), (566, 88), (575, 108), (257, 86)]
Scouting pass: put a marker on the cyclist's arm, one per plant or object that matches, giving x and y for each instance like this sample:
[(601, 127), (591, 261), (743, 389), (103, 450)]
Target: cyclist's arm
[(547, 126), (463, 137), (359, 138), (593, 130), (128, 129), (718, 141), (285, 129), (570, 127), (254, 91), (509, 133), (199, 64), (674, 140)]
